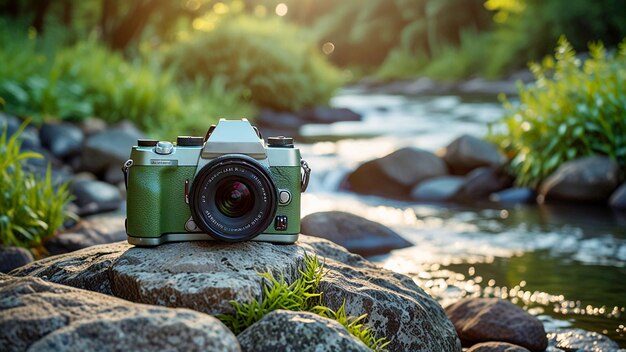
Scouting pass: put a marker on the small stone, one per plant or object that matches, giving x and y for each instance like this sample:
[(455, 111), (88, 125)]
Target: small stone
[(13, 257), (514, 195), (92, 126), (493, 319), (95, 196), (326, 114), (579, 340), (114, 175), (90, 231), (496, 347), (588, 179), (287, 331), (467, 153), (107, 149), (356, 234), (618, 198), (39, 316), (438, 189), (482, 182), (394, 175), (62, 139)]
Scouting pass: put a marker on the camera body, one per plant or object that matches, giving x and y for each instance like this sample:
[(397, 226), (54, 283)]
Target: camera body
[(228, 186)]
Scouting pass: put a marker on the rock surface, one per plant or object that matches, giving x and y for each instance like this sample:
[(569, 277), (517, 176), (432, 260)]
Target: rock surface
[(395, 175), (110, 148), (514, 195), (63, 139), (467, 153), (358, 235), (492, 319), (579, 340), (589, 179), (618, 198), (95, 196), (204, 276), (496, 347), (438, 189), (13, 257), (88, 232), (482, 182), (40, 316), (287, 331)]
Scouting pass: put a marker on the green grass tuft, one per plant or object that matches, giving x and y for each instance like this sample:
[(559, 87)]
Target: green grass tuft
[(31, 209), (300, 295)]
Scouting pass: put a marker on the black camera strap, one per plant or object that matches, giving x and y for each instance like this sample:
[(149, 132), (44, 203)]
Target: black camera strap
[(304, 182), (126, 170)]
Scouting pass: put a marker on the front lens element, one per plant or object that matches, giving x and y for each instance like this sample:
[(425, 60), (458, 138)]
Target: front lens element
[(233, 198)]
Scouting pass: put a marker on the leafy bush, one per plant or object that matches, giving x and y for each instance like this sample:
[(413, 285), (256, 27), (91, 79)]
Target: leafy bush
[(88, 80), (31, 209), (274, 62), (573, 109), (300, 295)]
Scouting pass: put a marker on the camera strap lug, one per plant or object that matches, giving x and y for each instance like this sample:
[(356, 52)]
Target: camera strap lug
[(125, 170), (304, 183)]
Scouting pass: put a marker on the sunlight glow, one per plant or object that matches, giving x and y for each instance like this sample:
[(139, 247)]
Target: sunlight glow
[(281, 9)]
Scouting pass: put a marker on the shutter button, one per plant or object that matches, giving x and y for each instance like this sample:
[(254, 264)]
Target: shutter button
[(163, 148)]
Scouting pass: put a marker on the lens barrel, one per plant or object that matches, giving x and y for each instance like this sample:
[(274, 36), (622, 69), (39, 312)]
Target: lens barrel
[(233, 198)]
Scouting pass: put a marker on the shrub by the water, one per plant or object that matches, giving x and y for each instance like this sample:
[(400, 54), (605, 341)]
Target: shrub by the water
[(31, 208), (573, 109), (275, 62), (300, 295)]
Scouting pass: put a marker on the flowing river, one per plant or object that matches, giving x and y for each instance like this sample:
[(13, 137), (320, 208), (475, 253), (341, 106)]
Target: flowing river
[(565, 264)]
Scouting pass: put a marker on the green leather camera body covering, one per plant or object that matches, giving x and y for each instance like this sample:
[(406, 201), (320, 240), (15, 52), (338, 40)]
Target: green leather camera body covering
[(156, 199)]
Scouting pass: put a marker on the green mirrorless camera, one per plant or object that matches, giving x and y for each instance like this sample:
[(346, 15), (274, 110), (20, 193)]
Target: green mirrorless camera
[(229, 185)]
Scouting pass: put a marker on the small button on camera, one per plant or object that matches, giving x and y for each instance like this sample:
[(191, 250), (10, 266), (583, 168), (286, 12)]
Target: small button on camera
[(164, 148), (280, 223), (284, 197)]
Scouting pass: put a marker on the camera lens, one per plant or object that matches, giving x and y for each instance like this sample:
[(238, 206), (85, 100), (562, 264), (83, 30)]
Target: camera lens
[(233, 198)]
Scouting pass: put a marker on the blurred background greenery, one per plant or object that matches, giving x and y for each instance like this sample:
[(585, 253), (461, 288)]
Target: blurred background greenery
[(156, 62)]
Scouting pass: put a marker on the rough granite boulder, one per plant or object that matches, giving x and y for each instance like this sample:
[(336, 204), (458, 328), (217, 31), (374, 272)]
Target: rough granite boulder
[(41, 316), (205, 276), (467, 153), (589, 179), (287, 331), (358, 235), (493, 319), (579, 340), (394, 175), (496, 347)]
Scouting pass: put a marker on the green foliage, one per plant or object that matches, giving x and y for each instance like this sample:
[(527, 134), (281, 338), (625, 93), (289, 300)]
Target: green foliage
[(276, 63), (300, 295), (574, 109), (31, 209), (87, 79)]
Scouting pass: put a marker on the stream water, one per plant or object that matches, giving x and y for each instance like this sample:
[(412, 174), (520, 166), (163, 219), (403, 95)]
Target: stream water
[(564, 263)]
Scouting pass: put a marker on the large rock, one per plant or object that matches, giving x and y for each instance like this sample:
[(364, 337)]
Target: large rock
[(88, 232), (108, 149), (438, 189), (326, 114), (287, 331), (13, 257), (589, 179), (618, 198), (467, 153), (40, 316), (62, 139), (205, 276), (492, 319), (482, 182), (496, 347), (395, 175), (356, 234), (579, 340), (95, 196)]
